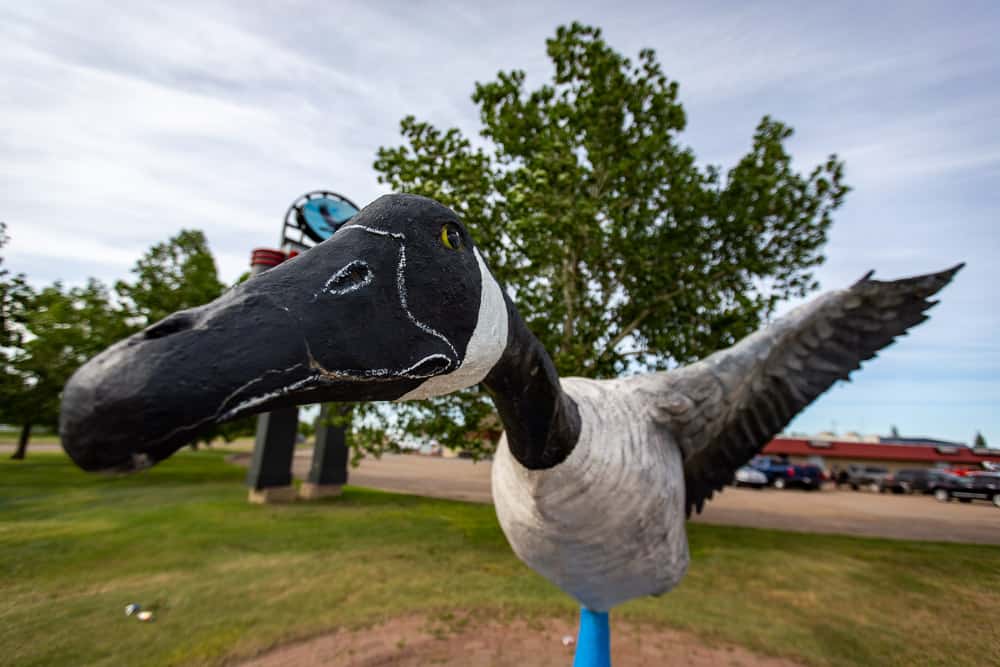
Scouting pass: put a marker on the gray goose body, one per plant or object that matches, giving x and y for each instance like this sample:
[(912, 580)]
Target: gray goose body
[(607, 524)]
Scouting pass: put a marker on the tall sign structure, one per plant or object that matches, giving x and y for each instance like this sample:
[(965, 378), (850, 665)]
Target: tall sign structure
[(311, 219)]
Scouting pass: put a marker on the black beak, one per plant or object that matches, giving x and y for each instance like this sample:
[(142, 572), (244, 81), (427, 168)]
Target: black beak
[(333, 324)]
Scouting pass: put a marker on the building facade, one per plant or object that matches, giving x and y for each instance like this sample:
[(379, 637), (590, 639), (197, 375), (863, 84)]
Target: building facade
[(830, 454)]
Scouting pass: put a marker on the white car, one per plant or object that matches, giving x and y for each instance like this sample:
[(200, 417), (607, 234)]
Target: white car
[(749, 476)]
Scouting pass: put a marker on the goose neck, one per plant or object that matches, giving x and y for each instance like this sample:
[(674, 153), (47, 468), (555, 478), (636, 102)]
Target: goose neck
[(541, 421)]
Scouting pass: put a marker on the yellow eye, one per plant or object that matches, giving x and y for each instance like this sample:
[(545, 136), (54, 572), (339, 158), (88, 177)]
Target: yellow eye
[(450, 237)]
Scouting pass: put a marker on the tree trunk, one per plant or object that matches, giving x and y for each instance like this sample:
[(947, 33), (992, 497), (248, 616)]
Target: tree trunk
[(22, 442)]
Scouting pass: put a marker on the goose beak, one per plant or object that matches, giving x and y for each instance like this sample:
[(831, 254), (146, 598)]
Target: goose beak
[(329, 325)]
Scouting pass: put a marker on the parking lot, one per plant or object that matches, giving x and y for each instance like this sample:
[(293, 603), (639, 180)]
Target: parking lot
[(826, 511)]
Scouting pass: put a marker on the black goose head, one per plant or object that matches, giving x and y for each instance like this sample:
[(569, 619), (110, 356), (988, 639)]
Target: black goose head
[(398, 304)]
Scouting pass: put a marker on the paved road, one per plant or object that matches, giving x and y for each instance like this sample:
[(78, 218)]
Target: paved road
[(827, 511)]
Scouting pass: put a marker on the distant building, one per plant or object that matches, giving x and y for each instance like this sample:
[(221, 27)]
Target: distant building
[(850, 436), (926, 442), (896, 454)]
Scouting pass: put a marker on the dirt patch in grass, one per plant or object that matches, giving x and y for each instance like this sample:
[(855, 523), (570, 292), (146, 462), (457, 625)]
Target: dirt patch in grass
[(415, 641)]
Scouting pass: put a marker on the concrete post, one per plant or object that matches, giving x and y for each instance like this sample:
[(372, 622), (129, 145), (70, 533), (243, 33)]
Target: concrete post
[(328, 472), (270, 474)]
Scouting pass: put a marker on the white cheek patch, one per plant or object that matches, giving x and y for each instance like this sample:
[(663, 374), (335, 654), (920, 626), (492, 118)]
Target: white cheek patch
[(484, 349)]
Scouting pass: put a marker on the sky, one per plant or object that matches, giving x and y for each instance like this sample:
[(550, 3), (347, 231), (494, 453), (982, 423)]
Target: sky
[(122, 123)]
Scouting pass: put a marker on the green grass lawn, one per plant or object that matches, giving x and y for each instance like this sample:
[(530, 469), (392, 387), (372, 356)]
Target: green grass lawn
[(227, 579)]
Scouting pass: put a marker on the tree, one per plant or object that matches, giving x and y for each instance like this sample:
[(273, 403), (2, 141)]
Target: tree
[(979, 441), (62, 329), (894, 432), (622, 253), (307, 429), (177, 274), (15, 295)]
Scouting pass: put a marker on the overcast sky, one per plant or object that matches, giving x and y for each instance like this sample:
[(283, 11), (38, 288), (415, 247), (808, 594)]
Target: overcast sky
[(121, 124)]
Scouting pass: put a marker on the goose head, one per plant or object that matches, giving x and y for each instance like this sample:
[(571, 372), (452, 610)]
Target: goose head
[(398, 304)]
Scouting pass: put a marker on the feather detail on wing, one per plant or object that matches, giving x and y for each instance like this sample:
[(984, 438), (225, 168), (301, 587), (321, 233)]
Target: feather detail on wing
[(724, 409)]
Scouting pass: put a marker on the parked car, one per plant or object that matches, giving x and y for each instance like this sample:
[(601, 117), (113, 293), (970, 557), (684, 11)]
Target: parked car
[(916, 480), (750, 476), (866, 477), (974, 486), (953, 484), (781, 474)]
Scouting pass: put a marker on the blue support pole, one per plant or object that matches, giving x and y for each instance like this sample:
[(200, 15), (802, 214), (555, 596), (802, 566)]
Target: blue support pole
[(593, 645)]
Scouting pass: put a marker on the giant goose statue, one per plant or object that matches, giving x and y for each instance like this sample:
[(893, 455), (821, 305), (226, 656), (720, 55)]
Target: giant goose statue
[(593, 479)]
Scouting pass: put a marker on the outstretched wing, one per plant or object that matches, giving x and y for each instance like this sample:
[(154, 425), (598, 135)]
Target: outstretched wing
[(724, 409)]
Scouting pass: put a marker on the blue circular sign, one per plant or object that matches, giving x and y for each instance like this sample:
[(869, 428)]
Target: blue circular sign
[(320, 214), (324, 216)]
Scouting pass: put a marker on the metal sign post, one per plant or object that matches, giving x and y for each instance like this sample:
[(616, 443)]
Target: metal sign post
[(311, 219)]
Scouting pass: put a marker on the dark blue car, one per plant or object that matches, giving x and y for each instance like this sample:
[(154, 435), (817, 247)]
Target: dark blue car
[(782, 474)]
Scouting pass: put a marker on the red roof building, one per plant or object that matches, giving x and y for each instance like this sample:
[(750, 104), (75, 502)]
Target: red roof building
[(832, 452)]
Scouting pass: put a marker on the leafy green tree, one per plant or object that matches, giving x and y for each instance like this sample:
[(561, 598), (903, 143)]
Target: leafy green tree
[(62, 329), (15, 295), (979, 441), (176, 274), (622, 252), (307, 429)]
